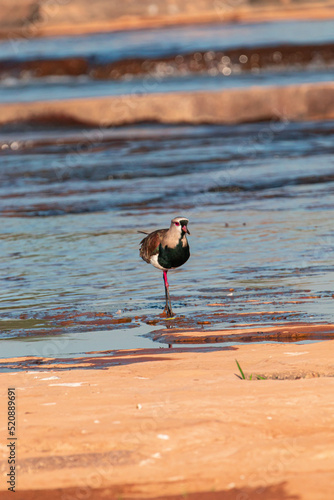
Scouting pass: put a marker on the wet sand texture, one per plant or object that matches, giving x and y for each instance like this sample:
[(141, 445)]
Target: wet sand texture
[(28, 18), (290, 103), (284, 332), (178, 424)]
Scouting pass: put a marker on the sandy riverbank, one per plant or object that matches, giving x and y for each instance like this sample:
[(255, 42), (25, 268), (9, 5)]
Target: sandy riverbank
[(30, 18), (176, 423), (290, 103)]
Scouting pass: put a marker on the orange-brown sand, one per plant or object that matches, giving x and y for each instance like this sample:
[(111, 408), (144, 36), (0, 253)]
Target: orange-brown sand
[(176, 424), (314, 101), (30, 18)]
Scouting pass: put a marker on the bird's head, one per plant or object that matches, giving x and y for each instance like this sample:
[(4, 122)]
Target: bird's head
[(181, 225)]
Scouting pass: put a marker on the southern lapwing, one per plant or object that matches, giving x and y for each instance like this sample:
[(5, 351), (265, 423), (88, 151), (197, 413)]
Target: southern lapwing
[(167, 249)]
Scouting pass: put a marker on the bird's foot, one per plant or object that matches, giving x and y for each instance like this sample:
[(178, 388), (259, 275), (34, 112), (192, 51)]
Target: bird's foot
[(164, 313), (167, 313)]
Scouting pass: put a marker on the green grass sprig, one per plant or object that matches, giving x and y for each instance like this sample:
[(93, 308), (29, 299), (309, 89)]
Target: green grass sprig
[(243, 377)]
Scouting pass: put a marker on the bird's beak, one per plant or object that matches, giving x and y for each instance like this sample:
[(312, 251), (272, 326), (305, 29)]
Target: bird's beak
[(185, 229)]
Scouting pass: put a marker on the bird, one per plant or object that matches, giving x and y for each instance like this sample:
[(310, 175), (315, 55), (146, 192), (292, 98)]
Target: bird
[(167, 249)]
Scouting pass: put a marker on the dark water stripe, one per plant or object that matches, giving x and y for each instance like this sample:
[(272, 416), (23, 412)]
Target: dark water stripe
[(30, 136), (51, 173), (213, 62), (64, 207), (298, 181)]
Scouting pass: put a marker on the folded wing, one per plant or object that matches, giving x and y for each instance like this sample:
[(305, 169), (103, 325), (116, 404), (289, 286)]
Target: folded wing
[(149, 246)]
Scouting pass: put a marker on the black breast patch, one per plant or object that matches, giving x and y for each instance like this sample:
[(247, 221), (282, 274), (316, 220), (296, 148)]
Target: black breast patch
[(173, 257)]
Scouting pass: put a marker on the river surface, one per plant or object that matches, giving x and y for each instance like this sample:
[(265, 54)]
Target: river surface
[(259, 198), (209, 57)]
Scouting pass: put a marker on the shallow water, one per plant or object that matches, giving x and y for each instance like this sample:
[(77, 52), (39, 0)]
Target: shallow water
[(54, 88), (259, 198), (158, 42)]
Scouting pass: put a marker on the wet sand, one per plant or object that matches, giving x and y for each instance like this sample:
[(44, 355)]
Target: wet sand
[(290, 103), (282, 332), (28, 19), (240, 60), (177, 423)]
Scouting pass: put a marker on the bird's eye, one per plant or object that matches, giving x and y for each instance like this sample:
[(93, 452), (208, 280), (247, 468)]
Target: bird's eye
[(176, 223)]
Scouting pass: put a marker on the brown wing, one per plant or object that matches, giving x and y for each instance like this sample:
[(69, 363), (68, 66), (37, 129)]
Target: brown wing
[(150, 245)]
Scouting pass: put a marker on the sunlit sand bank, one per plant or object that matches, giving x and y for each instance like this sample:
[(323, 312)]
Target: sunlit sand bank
[(162, 423), (282, 104)]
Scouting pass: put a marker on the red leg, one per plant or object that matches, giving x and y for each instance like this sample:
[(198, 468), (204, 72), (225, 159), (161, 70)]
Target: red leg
[(165, 279)]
